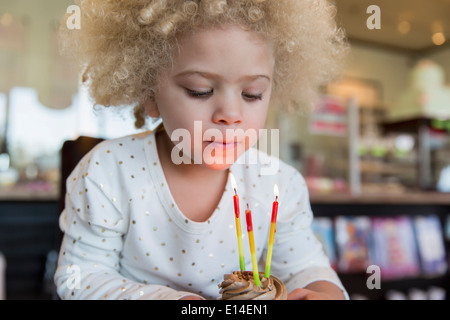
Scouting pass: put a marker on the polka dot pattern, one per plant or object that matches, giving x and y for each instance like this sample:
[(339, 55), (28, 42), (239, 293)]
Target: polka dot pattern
[(125, 233)]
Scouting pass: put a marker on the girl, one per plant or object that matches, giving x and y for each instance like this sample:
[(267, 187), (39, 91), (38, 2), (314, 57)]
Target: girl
[(140, 225)]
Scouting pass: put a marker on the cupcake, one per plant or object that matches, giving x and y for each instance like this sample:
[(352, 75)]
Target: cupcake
[(240, 285)]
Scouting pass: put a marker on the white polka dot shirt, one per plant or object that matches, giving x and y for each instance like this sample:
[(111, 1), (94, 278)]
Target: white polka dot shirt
[(125, 237)]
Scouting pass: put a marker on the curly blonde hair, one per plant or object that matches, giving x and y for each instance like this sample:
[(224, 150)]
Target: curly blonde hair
[(123, 46)]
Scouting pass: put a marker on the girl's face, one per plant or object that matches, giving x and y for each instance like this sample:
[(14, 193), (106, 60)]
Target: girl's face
[(220, 84)]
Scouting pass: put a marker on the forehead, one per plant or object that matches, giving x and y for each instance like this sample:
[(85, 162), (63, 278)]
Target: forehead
[(230, 49)]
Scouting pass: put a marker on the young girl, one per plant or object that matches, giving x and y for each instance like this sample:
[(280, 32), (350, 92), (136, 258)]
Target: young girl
[(140, 225)]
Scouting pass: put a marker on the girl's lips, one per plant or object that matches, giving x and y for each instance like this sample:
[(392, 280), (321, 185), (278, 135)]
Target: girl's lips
[(222, 145)]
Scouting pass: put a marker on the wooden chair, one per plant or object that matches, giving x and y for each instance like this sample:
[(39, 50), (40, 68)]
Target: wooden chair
[(71, 153)]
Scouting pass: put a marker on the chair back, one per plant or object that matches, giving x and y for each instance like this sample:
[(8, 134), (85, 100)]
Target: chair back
[(72, 152)]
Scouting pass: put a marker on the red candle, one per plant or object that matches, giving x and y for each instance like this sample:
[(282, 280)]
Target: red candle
[(236, 204), (238, 223), (251, 240), (248, 218), (275, 204), (272, 232)]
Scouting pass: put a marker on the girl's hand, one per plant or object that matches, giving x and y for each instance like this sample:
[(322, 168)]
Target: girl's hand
[(305, 294), (319, 290)]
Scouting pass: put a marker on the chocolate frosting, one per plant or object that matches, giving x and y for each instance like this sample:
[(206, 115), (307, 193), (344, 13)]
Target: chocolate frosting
[(241, 286)]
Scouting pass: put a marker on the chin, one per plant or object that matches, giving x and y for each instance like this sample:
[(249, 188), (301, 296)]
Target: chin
[(218, 163), (220, 159), (218, 167)]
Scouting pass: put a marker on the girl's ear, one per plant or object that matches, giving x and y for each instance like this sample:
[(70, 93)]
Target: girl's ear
[(151, 108)]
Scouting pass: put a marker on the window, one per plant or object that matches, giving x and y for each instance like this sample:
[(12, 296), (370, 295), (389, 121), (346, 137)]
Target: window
[(36, 133)]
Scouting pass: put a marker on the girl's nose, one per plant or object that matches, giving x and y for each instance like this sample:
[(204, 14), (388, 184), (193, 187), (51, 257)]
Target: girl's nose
[(227, 111)]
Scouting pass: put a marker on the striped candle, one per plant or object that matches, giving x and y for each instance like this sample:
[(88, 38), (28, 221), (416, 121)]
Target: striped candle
[(238, 223), (251, 240), (272, 232)]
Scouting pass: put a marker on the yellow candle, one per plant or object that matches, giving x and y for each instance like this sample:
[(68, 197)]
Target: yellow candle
[(272, 232), (238, 223), (251, 240)]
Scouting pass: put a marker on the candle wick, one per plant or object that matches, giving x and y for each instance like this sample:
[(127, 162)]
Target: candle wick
[(276, 198), (235, 192), (247, 206)]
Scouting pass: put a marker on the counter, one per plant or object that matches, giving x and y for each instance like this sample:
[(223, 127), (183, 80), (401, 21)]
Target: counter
[(422, 198)]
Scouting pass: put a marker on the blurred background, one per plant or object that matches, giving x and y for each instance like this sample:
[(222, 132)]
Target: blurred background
[(377, 146)]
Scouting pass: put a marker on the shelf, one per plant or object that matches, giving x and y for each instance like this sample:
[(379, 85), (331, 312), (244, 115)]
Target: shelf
[(387, 168), (409, 124), (25, 193), (406, 125), (434, 198), (356, 284), (422, 127)]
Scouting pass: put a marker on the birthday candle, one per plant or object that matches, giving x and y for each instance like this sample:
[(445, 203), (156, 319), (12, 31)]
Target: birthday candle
[(272, 232), (251, 240), (238, 223)]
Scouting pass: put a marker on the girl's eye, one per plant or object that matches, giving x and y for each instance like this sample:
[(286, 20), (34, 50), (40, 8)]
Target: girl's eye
[(199, 94), (252, 97)]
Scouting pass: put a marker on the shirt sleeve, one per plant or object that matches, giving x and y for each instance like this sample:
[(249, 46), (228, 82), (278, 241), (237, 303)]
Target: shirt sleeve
[(89, 259), (298, 258)]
